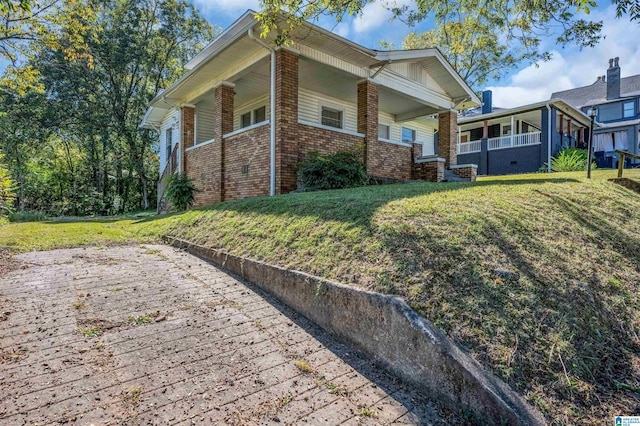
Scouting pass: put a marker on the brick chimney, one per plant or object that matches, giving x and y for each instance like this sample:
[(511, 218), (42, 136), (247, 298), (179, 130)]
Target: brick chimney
[(613, 79)]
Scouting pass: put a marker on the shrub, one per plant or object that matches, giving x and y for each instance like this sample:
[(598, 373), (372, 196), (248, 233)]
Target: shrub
[(570, 160), (344, 169), (7, 191), (181, 191), (27, 216)]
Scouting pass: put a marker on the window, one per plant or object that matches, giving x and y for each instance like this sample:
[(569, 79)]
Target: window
[(628, 109), (331, 117), (256, 116), (408, 135), (168, 142), (260, 115), (383, 131), (506, 130), (245, 120)]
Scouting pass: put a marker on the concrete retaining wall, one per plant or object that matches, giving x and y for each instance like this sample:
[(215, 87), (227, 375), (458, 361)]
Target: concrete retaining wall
[(387, 329)]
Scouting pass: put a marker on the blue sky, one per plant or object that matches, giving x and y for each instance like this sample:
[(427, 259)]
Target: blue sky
[(569, 67)]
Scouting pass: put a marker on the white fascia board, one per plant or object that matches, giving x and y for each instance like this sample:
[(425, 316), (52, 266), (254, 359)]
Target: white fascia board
[(228, 33), (417, 54), (341, 39), (233, 33), (144, 124), (405, 55), (148, 124)]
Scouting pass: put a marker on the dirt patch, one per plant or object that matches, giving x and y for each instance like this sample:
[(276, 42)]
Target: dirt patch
[(631, 184), (7, 263)]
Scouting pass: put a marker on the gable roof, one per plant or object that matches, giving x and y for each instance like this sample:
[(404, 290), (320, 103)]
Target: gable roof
[(596, 93), (323, 40)]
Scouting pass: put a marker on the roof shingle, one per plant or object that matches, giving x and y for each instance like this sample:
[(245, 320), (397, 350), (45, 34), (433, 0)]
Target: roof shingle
[(596, 93)]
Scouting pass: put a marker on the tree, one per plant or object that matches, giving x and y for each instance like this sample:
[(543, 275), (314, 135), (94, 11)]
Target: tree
[(473, 49), (520, 23), (74, 146), (7, 192)]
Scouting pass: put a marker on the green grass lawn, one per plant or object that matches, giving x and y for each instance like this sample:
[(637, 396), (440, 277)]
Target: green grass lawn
[(565, 334)]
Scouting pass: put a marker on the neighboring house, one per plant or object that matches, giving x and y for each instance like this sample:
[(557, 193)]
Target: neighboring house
[(245, 115), (518, 140), (617, 101)]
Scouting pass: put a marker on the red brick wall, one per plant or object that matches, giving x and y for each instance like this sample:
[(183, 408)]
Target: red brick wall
[(248, 148), (286, 120), (389, 160), (432, 171), (368, 122), (203, 166), (222, 124), (187, 124), (467, 173), (448, 137), (325, 141)]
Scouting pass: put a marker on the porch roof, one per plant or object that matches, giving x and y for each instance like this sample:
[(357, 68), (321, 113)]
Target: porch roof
[(202, 68), (560, 106)]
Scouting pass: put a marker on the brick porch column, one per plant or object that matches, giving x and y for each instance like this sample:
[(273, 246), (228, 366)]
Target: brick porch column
[(286, 121), (368, 122), (448, 137), (222, 124), (187, 123)]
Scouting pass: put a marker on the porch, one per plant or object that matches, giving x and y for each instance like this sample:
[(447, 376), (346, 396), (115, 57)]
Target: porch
[(502, 142), (520, 140)]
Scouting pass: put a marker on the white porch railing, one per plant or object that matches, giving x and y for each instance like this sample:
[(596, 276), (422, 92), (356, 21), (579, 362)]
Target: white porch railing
[(469, 147), (522, 139)]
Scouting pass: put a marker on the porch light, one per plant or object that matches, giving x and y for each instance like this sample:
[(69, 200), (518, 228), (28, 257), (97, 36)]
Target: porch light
[(592, 115)]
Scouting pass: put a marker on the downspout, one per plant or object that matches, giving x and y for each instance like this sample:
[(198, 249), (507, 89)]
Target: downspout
[(549, 138), (272, 115)]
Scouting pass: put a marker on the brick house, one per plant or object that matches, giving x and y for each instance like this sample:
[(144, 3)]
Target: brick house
[(246, 114)]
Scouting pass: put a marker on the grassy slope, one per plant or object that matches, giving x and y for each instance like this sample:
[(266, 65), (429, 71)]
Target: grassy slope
[(565, 334)]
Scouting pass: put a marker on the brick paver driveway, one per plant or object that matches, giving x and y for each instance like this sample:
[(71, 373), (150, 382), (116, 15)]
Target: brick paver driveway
[(153, 335)]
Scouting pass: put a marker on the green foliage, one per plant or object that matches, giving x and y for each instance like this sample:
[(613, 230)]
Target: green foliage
[(473, 48), (181, 191), (519, 24), (70, 133), (570, 160), (27, 216), (344, 169), (7, 191)]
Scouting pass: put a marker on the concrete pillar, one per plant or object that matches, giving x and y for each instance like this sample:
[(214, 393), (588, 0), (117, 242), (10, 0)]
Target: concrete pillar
[(222, 124), (368, 124), (448, 136), (286, 120)]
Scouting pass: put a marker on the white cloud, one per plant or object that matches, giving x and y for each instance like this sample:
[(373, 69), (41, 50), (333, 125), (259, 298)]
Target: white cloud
[(342, 29), (573, 67), (373, 16), (534, 83), (376, 16), (226, 6)]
